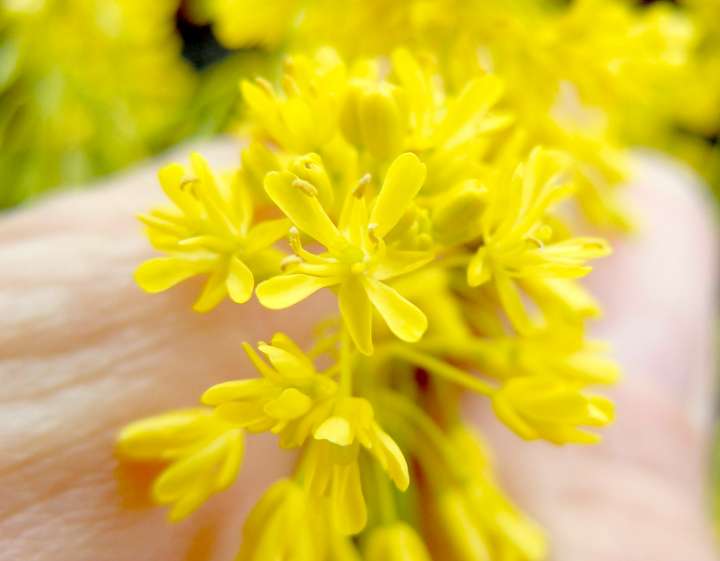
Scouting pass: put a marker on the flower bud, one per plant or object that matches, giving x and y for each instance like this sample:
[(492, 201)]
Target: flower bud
[(371, 118), (457, 218), (546, 407)]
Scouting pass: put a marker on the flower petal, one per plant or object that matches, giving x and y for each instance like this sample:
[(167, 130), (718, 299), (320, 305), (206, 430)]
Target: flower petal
[(290, 404), (213, 292), (356, 311), (304, 209), (161, 273), (337, 430), (512, 303), (239, 281), (346, 498), (391, 458), (265, 234), (403, 317), (286, 290), (478, 271), (402, 182)]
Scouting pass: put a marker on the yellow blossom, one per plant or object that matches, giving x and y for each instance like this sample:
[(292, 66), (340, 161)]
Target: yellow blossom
[(480, 521), (203, 451), (208, 230), (358, 260), (290, 398), (331, 466), (507, 532), (304, 116), (546, 407), (289, 524), (514, 236)]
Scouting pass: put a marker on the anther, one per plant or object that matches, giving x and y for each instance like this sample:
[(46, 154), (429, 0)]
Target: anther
[(364, 181), (306, 187), (288, 261), (265, 85)]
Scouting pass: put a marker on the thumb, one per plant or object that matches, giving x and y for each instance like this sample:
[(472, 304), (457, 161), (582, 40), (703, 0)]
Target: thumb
[(83, 352)]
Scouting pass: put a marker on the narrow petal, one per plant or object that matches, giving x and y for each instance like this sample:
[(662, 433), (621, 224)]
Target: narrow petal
[(398, 262), (265, 234), (236, 390), (356, 311), (347, 502), (213, 292), (507, 414), (234, 451), (391, 458), (304, 209), (474, 101), (161, 273), (478, 271), (512, 303), (290, 404), (336, 430), (286, 290), (402, 182), (239, 281), (403, 317)]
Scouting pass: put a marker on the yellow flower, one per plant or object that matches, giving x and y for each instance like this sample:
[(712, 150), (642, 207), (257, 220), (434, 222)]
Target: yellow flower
[(478, 520), (546, 407), (330, 468), (358, 260), (209, 230), (204, 453), (291, 525), (304, 117), (395, 542), (284, 524), (514, 235), (289, 399)]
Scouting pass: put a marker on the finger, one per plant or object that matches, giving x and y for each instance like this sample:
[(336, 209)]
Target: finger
[(659, 288), (639, 494), (82, 352)]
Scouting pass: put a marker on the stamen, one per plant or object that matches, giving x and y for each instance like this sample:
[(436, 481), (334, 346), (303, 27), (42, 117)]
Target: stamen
[(306, 187)]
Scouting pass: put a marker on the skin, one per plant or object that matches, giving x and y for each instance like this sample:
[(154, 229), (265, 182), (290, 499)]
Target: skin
[(83, 351)]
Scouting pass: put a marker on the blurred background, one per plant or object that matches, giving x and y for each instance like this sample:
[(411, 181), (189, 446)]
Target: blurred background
[(88, 87)]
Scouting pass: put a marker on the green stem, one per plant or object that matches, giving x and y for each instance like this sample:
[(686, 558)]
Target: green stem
[(388, 512), (443, 370), (424, 425), (345, 363)]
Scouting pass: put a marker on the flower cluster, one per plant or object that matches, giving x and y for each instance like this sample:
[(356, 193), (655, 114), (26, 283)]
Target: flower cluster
[(450, 251)]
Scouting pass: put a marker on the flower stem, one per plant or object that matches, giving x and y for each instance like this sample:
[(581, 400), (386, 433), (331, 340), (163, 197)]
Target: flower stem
[(443, 370), (346, 381)]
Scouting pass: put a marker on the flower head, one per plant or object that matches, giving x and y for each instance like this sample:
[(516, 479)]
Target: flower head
[(208, 230), (331, 466), (480, 521), (360, 256), (204, 453), (289, 399), (517, 241), (546, 407)]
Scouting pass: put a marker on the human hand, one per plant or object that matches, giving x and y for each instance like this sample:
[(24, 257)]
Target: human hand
[(83, 352)]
